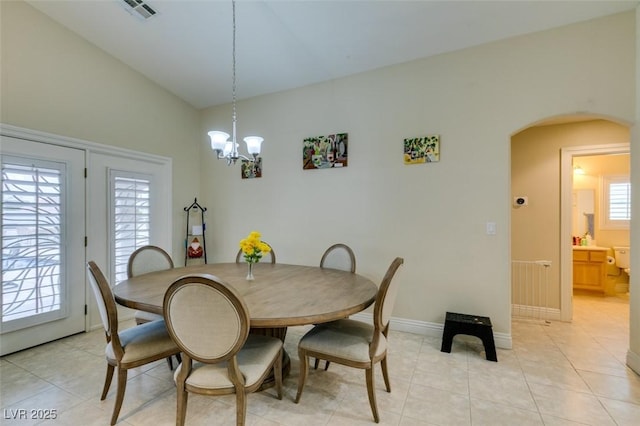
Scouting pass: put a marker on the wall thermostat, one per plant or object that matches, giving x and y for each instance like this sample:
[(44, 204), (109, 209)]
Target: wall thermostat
[(520, 201)]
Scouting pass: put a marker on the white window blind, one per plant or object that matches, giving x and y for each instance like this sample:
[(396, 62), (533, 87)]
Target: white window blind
[(131, 218), (616, 202), (32, 241), (619, 201)]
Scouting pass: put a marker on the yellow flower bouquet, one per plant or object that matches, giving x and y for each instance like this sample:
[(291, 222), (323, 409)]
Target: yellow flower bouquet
[(253, 248)]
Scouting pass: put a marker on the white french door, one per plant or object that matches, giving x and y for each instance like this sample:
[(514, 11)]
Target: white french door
[(129, 206), (43, 254)]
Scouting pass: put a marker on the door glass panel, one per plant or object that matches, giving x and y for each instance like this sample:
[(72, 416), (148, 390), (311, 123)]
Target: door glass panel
[(32, 242), (131, 218)]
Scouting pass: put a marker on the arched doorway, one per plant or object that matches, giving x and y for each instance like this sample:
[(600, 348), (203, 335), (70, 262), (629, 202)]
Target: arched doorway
[(541, 164)]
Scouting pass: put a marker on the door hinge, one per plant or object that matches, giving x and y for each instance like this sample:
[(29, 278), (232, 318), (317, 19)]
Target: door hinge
[(85, 172), (86, 241), (85, 310)]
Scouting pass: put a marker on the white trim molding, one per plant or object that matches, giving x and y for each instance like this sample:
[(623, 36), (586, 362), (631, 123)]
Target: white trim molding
[(38, 136)]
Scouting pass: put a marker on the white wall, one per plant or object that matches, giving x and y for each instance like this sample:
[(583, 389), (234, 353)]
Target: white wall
[(53, 81), (433, 215), (633, 356)]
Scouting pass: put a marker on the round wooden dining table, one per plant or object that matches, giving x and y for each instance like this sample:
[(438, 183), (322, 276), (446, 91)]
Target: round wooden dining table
[(280, 296)]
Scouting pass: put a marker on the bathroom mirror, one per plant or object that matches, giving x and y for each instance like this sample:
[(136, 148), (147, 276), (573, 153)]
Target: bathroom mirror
[(583, 212)]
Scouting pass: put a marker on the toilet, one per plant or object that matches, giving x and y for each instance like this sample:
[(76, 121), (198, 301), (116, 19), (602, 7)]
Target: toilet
[(623, 258)]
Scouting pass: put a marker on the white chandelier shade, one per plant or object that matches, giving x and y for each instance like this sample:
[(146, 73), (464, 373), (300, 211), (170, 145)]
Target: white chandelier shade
[(253, 144), (218, 140)]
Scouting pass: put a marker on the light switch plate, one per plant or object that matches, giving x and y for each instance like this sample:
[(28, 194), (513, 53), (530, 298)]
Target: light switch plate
[(491, 228)]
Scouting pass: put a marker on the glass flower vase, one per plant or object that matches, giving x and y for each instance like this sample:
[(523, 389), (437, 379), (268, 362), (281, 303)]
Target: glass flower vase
[(250, 272)]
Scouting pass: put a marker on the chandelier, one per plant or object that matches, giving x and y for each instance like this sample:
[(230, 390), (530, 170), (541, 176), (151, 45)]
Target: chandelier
[(220, 143)]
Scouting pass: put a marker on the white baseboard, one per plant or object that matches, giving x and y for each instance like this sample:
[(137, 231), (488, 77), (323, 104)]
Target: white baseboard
[(121, 318), (535, 312), (633, 361), (94, 327), (430, 329)]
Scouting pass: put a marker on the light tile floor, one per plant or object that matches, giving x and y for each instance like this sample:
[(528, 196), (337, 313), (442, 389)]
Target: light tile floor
[(556, 374)]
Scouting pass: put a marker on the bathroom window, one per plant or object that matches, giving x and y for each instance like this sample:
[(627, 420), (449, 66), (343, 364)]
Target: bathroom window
[(616, 202)]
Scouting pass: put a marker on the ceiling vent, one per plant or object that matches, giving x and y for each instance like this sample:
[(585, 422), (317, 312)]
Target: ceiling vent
[(139, 9)]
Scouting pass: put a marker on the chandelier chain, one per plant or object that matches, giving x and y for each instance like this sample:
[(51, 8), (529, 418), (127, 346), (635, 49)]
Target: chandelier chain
[(233, 86), (220, 143)]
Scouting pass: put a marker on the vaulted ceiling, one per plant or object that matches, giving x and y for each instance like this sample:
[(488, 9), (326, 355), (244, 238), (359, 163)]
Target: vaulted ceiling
[(186, 46)]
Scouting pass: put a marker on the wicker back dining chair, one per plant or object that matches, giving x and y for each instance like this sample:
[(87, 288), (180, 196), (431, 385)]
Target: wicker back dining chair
[(126, 349), (355, 343), (209, 321), (144, 260), (271, 256), (339, 256), (148, 259)]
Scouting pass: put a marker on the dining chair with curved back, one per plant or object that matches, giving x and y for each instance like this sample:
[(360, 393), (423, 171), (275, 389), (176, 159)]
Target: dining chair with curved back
[(354, 343), (148, 258), (271, 255), (209, 322), (126, 349), (144, 260), (338, 256)]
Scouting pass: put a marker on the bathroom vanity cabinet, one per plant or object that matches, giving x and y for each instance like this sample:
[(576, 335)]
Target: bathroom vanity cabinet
[(589, 268)]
